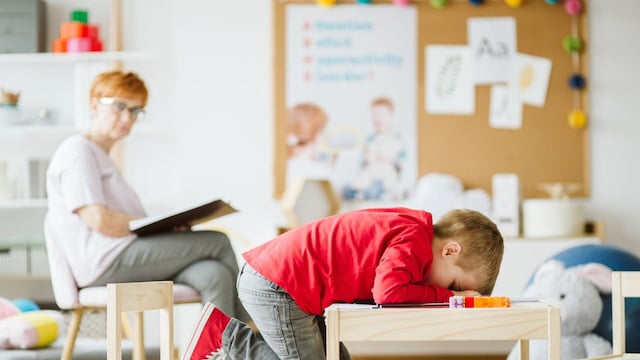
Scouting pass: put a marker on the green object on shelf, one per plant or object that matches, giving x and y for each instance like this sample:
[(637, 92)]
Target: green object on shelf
[(80, 15)]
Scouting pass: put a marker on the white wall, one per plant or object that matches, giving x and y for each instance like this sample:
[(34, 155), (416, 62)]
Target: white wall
[(218, 140), (615, 120)]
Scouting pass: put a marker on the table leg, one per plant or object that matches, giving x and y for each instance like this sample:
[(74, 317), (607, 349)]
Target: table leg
[(333, 335), (554, 333)]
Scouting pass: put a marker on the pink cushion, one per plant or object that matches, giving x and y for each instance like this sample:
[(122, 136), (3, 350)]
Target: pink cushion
[(184, 294), (97, 296)]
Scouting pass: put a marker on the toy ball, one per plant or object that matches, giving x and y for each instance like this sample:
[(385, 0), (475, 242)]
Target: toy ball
[(25, 305), (577, 81), (476, 2), (326, 3), (401, 2), (572, 43), (514, 3), (573, 7), (577, 119), (617, 260), (438, 4), (364, 2), (551, 2)]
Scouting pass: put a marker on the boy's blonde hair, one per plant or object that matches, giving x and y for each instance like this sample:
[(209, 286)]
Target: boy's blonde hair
[(481, 242)]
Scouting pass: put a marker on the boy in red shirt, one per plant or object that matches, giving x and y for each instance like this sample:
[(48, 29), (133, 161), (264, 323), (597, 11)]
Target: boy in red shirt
[(383, 256)]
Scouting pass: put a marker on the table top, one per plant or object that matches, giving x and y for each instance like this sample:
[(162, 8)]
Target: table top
[(368, 323)]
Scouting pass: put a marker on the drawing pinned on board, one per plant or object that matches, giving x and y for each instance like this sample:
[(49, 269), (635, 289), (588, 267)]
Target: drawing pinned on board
[(493, 44), (449, 82), (505, 108), (531, 77)]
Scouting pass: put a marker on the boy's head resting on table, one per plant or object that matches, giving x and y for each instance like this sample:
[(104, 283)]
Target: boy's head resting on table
[(467, 252)]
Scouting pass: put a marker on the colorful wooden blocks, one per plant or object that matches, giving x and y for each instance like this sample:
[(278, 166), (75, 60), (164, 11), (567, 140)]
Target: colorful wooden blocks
[(77, 35), (458, 302)]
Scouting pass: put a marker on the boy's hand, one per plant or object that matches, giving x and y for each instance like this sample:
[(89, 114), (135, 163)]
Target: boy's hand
[(466, 293)]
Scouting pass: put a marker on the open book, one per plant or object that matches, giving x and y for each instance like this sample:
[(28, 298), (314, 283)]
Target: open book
[(189, 216)]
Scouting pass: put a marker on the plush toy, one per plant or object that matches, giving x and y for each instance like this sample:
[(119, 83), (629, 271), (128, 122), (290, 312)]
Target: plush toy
[(576, 291), (7, 308), (24, 326), (30, 330)]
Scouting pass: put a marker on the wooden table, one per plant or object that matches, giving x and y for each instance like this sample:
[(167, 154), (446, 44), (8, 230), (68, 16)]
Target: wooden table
[(521, 322)]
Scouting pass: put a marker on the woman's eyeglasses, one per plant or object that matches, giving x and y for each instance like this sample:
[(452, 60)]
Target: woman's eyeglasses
[(120, 106)]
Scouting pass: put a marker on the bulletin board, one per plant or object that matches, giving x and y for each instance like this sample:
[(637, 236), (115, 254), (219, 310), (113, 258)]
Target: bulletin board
[(545, 149)]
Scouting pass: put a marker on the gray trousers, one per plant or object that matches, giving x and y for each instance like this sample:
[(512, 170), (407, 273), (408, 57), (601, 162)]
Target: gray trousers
[(286, 332), (203, 260)]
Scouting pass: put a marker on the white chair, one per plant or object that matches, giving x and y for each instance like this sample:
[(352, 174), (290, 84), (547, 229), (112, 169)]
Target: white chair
[(625, 284), (69, 297), (139, 297)]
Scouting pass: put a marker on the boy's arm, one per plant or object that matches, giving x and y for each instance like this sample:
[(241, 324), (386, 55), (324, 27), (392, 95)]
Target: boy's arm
[(467, 293), (399, 279)]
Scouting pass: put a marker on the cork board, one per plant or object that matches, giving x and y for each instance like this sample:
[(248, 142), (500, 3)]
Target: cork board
[(544, 149)]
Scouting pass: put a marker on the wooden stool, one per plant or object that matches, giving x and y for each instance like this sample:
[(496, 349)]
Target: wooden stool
[(139, 297)]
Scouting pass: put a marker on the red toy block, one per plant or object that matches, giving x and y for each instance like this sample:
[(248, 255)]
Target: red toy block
[(96, 45), (72, 29), (93, 31)]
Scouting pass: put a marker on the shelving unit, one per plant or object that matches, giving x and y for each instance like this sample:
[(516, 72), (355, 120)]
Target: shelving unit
[(58, 83), (72, 58)]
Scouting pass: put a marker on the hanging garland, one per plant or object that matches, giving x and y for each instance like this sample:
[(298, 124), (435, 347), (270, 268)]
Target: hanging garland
[(572, 44)]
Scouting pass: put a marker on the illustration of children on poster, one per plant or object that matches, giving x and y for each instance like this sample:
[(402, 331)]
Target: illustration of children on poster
[(357, 67)]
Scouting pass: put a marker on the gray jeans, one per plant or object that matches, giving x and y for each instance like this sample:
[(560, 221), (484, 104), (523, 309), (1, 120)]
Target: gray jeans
[(286, 332), (203, 260)]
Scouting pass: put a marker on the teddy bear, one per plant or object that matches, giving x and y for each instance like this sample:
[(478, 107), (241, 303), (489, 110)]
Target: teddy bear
[(576, 291)]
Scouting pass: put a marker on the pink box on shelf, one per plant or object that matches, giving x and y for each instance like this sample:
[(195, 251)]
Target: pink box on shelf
[(79, 44)]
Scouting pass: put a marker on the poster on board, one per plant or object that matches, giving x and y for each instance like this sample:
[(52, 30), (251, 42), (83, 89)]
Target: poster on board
[(351, 98)]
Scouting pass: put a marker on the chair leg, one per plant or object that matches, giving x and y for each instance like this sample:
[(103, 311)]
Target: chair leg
[(127, 331), (138, 347), (72, 334)]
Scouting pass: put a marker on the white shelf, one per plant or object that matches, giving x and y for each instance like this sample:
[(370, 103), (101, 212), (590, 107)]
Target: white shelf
[(23, 203), (38, 129), (70, 58)]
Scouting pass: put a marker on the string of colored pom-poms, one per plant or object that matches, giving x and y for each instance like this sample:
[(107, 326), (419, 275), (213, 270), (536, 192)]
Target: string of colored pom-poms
[(573, 45), (439, 4)]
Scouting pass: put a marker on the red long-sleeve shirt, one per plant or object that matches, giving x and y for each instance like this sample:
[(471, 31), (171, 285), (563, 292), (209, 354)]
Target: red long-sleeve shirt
[(380, 255)]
